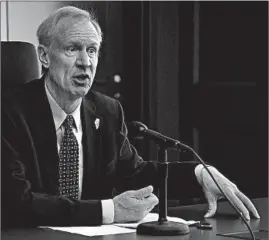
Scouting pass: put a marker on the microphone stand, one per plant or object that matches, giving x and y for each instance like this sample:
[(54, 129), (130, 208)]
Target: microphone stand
[(163, 227)]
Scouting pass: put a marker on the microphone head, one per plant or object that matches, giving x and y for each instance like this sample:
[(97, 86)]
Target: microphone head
[(135, 129), (139, 125), (138, 130)]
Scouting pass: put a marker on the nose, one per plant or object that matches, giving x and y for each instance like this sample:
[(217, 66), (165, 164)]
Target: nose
[(83, 59)]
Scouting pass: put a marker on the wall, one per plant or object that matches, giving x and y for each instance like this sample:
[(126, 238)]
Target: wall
[(208, 74), (163, 100), (3, 21)]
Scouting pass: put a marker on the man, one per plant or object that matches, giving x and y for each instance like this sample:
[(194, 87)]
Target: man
[(66, 156)]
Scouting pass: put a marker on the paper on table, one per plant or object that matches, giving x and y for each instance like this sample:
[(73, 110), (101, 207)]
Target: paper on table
[(118, 228), (94, 231), (154, 217)]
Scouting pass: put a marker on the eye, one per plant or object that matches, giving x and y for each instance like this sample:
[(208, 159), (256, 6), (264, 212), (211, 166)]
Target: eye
[(92, 50), (72, 49)]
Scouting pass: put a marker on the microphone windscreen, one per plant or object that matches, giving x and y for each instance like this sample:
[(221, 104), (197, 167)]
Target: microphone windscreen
[(135, 128)]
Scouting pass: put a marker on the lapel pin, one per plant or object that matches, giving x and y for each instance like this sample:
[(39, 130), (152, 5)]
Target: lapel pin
[(97, 123)]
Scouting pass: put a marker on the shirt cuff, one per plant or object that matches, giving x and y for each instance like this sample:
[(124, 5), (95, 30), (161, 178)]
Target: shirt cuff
[(108, 211), (198, 172)]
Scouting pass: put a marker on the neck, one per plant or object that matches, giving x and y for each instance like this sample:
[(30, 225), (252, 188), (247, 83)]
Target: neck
[(67, 103)]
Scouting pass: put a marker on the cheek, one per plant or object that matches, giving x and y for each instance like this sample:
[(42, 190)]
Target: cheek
[(62, 63), (95, 63), (65, 68)]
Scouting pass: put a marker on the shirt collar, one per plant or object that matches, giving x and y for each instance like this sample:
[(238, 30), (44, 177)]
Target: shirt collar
[(59, 114)]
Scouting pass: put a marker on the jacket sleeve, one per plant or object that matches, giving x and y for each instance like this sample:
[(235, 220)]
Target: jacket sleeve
[(21, 205), (134, 173)]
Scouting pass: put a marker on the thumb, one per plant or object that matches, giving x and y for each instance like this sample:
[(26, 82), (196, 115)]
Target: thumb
[(143, 192), (212, 204)]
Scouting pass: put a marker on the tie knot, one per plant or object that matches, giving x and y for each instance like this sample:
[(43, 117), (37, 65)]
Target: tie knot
[(69, 121)]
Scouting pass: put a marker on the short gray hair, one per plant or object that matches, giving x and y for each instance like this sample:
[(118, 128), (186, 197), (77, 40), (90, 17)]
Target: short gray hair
[(46, 29)]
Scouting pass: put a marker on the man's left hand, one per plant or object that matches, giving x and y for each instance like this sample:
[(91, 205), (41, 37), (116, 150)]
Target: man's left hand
[(212, 192)]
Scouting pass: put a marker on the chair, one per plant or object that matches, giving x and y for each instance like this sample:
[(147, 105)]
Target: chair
[(19, 64)]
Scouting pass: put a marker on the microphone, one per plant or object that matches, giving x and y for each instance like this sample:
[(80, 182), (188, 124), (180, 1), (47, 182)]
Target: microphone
[(138, 130), (162, 227)]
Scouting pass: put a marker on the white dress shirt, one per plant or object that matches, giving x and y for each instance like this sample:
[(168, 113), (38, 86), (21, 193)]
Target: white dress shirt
[(59, 116)]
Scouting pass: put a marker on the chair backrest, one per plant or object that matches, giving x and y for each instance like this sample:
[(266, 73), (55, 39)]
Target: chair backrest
[(19, 64)]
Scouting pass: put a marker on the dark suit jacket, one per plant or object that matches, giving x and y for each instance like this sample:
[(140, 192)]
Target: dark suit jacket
[(30, 159)]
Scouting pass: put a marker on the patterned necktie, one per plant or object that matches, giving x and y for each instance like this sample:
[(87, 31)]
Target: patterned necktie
[(68, 161)]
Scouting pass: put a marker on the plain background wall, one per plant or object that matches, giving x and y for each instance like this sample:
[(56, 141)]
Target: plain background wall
[(3, 21)]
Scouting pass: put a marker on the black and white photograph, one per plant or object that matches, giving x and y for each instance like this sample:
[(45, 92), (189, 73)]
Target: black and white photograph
[(134, 120)]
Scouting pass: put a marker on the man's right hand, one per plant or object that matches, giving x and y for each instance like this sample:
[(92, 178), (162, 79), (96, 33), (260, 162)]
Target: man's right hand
[(133, 206)]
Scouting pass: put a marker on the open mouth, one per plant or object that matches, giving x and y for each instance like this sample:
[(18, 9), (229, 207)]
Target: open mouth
[(82, 79)]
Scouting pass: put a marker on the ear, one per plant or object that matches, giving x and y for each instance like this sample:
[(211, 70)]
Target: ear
[(43, 55)]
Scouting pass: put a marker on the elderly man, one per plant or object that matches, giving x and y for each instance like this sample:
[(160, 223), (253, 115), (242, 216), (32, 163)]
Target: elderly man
[(66, 156)]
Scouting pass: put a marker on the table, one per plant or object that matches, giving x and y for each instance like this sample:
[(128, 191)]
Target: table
[(225, 221)]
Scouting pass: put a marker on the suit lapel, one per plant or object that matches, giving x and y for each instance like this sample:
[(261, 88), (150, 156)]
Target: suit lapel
[(92, 126), (44, 136)]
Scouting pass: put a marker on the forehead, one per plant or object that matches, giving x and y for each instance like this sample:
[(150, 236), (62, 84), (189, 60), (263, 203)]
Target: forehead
[(76, 30)]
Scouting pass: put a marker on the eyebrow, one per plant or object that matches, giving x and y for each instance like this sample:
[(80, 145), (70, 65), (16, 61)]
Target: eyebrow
[(78, 43)]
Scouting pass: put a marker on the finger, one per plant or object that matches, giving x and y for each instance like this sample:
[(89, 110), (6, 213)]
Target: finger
[(239, 204), (150, 208), (148, 202), (249, 205), (212, 204), (146, 212), (143, 192), (150, 205), (151, 200)]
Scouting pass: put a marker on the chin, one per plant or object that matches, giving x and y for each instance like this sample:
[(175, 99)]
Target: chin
[(82, 92)]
